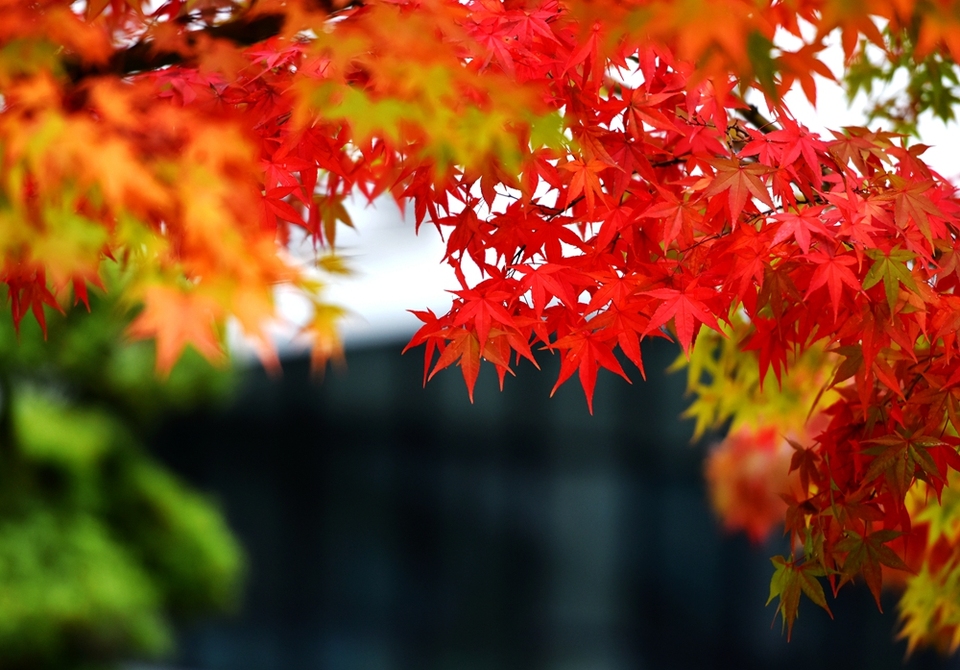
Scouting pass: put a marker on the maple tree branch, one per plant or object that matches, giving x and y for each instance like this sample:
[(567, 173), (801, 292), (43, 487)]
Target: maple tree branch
[(752, 115), (554, 212), (243, 31), (145, 57), (671, 161), (918, 377), (708, 238)]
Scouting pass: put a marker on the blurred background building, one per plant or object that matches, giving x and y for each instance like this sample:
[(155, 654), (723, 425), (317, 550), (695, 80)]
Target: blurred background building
[(390, 526)]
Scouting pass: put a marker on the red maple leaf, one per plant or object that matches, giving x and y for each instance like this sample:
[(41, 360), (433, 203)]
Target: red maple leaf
[(584, 350), (686, 307), (832, 271), (462, 348), (800, 225), (585, 182), (740, 181)]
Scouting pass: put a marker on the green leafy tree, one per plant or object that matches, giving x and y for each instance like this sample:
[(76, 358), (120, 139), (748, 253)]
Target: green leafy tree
[(102, 549)]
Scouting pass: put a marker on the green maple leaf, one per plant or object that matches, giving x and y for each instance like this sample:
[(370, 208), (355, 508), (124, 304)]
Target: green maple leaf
[(789, 580), (892, 269)]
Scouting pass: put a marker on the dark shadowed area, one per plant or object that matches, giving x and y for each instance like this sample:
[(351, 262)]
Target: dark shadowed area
[(390, 526)]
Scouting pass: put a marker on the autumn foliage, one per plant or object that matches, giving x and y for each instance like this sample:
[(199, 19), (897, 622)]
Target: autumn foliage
[(746, 474), (596, 162)]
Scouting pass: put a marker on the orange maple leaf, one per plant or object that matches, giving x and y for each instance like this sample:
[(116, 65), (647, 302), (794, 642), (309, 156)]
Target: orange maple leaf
[(175, 319), (585, 182)]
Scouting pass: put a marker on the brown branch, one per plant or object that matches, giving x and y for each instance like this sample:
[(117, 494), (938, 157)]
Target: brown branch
[(752, 115), (145, 57)]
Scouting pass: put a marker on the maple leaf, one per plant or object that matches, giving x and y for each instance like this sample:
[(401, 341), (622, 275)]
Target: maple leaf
[(856, 216), (79, 283), (464, 349), (276, 206), (680, 216), (913, 205), (865, 554), (28, 292), (584, 350), (740, 181), (802, 64), (747, 476), (324, 339), (641, 109), (789, 580), (833, 271), (770, 339), (892, 269), (428, 334), (804, 461), (546, 282), (585, 182), (484, 306), (799, 225), (176, 319), (331, 211), (900, 458), (686, 308)]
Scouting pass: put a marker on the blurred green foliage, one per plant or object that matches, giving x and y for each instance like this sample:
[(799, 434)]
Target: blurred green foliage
[(900, 87), (101, 547)]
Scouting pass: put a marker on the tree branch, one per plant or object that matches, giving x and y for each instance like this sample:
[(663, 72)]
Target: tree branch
[(144, 57), (753, 116)]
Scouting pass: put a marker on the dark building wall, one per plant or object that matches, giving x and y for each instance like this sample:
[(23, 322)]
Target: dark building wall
[(395, 527)]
